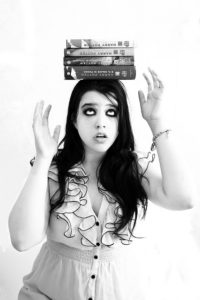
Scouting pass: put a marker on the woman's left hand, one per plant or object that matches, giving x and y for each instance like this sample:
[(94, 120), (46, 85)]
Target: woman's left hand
[(151, 106)]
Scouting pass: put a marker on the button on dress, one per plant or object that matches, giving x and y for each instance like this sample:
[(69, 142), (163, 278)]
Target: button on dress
[(82, 259)]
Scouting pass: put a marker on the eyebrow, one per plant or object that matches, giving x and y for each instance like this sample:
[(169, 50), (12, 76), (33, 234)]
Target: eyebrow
[(95, 104)]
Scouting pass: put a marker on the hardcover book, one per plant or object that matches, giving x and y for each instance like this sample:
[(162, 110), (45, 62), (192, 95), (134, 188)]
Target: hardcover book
[(90, 43), (99, 52), (96, 72), (98, 60)]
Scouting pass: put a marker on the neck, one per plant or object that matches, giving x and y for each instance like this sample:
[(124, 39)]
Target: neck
[(91, 163)]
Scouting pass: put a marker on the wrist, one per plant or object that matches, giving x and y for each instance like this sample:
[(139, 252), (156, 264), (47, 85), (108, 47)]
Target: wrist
[(40, 166), (41, 160), (157, 136), (157, 126)]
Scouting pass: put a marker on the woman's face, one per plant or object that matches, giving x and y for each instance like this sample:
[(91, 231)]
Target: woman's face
[(97, 121)]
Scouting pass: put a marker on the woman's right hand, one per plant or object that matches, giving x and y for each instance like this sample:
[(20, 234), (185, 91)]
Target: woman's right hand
[(46, 145)]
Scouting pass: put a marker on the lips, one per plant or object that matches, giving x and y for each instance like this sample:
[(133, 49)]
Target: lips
[(100, 137)]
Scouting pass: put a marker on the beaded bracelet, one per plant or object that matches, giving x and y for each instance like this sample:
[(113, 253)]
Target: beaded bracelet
[(153, 146)]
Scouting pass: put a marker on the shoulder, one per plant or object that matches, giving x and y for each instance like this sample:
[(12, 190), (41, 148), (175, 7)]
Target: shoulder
[(53, 182), (53, 172)]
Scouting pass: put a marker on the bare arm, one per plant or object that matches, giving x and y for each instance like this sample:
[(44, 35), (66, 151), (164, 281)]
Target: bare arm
[(29, 217), (169, 182), (173, 187)]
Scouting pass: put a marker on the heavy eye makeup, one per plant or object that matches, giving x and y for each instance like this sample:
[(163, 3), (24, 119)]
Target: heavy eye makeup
[(90, 111)]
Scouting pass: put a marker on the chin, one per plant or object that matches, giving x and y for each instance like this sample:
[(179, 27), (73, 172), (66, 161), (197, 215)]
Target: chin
[(98, 149), (101, 149)]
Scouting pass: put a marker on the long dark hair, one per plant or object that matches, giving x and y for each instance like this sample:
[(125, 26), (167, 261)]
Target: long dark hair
[(119, 171)]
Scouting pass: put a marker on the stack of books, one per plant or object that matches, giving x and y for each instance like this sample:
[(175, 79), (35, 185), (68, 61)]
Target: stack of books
[(99, 59)]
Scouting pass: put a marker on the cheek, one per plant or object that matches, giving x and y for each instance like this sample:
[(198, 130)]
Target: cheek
[(114, 126), (84, 124), (83, 127)]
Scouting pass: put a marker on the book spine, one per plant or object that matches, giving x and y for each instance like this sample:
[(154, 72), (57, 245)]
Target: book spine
[(100, 52), (98, 60), (105, 72), (89, 43)]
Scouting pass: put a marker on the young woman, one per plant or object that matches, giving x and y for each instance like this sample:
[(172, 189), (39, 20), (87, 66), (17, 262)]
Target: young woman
[(87, 196)]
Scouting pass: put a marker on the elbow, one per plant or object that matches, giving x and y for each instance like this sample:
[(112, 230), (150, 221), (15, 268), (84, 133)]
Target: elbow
[(190, 199), (184, 203), (24, 245), (189, 203), (179, 202), (193, 200), (18, 246), (21, 242), (16, 239), (17, 242)]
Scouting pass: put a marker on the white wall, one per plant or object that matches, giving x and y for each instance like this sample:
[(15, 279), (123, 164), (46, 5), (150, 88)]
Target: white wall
[(32, 38)]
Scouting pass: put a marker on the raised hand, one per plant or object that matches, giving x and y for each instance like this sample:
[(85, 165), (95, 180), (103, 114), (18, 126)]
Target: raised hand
[(46, 145), (151, 105)]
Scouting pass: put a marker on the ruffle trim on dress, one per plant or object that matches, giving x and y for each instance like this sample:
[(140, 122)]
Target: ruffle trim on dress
[(145, 159), (74, 207), (112, 219)]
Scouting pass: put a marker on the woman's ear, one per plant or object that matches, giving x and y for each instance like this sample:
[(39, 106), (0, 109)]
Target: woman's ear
[(73, 119), (75, 125)]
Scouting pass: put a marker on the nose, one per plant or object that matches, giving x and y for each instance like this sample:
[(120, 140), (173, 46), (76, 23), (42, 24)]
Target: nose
[(100, 126), (100, 120)]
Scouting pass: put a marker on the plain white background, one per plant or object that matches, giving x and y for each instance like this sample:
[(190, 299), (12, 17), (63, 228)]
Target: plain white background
[(167, 37)]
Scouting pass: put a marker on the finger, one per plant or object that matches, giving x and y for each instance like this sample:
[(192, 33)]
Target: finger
[(56, 133), (152, 71), (154, 78), (161, 85), (38, 111), (46, 115), (148, 82), (35, 110), (141, 97), (159, 81)]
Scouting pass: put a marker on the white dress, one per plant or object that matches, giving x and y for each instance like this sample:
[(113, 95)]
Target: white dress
[(82, 259)]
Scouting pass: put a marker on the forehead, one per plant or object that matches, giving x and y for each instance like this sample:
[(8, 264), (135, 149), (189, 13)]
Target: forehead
[(94, 97)]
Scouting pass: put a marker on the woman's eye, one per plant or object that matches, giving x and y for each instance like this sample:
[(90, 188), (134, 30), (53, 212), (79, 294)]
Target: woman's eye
[(89, 112), (112, 113)]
